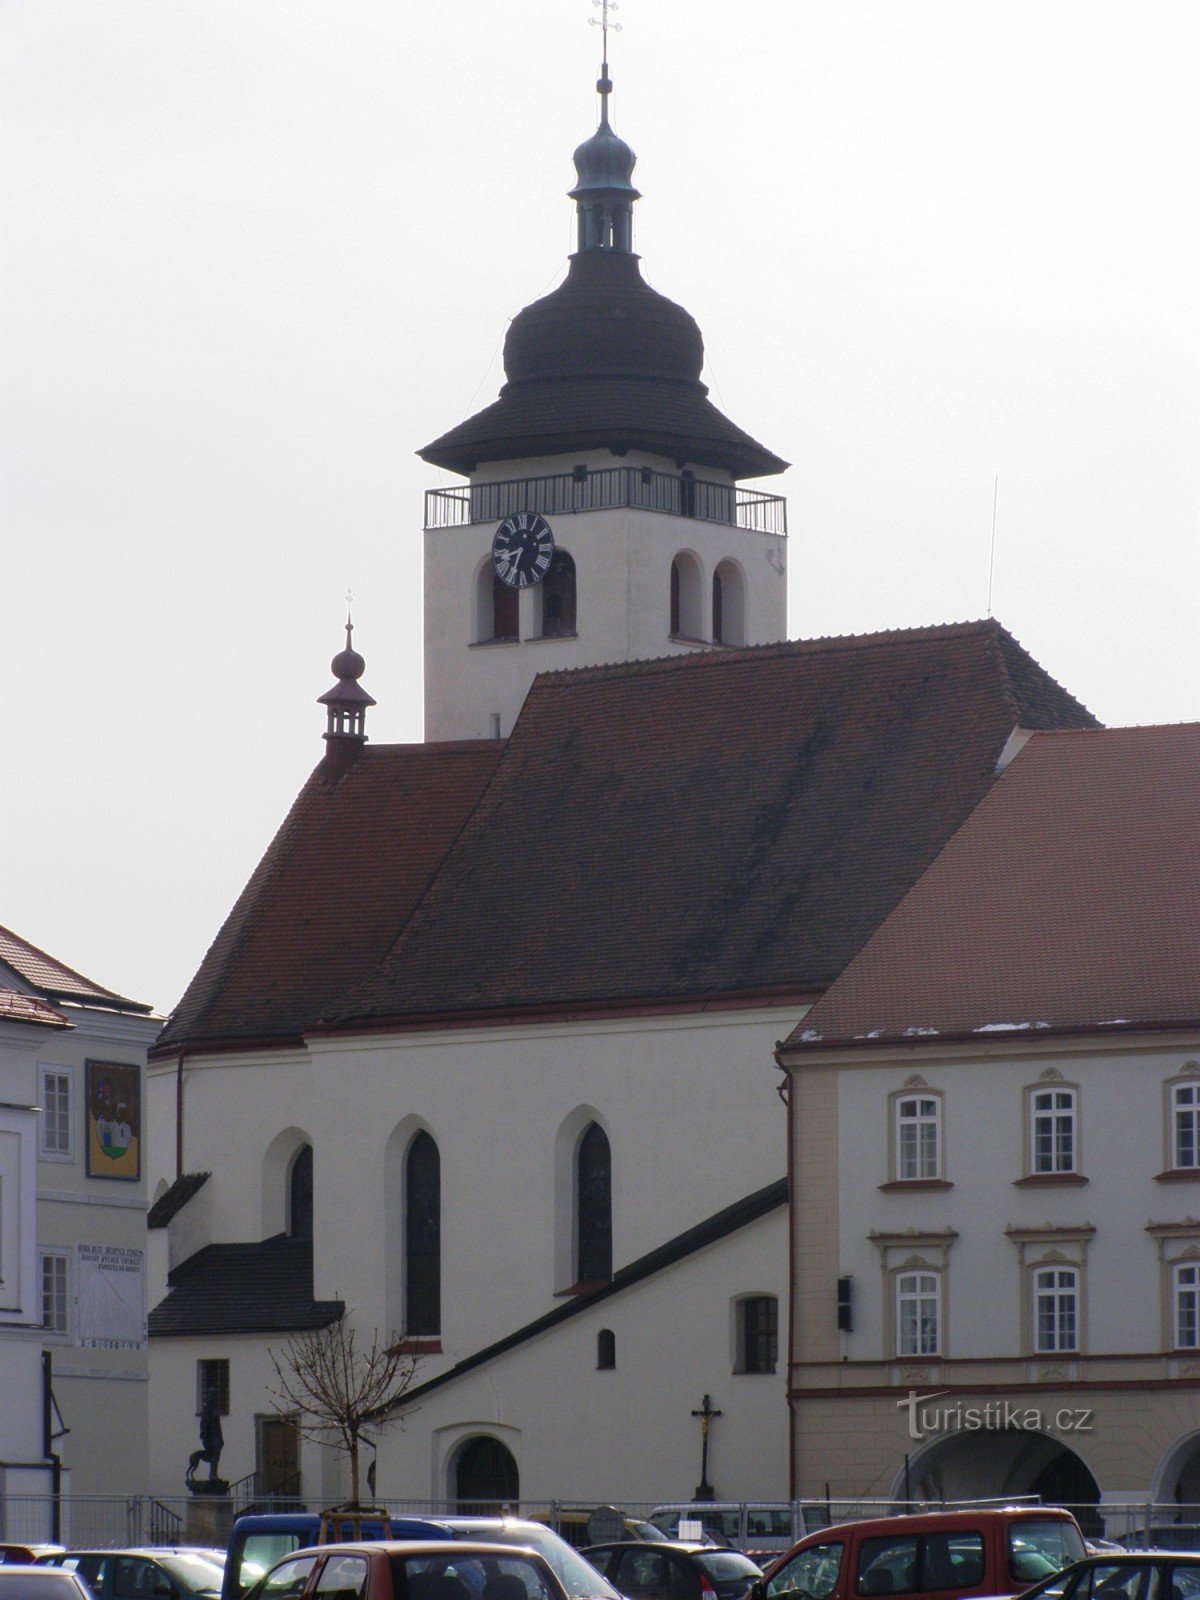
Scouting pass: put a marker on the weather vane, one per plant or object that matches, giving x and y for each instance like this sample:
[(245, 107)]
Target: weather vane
[(605, 6)]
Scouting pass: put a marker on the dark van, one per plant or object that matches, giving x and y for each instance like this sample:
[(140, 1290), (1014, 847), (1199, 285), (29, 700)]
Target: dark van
[(261, 1538), (942, 1555)]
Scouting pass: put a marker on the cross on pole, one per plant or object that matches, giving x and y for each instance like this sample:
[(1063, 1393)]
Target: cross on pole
[(706, 1413)]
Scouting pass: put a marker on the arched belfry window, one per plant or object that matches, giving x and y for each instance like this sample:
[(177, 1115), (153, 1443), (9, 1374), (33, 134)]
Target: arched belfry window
[(728, 605), (606, 1350), (423, 1238), (557, 597), (685, 596), (300, 1194), (593, 1207)]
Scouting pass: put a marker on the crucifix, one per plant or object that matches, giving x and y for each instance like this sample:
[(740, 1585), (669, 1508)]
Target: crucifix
[(704, 1489)]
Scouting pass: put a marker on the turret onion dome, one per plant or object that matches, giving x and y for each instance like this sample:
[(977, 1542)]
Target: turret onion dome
[(604, 361)]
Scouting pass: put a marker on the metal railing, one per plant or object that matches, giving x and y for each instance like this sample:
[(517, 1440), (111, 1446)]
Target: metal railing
[(678, 494)]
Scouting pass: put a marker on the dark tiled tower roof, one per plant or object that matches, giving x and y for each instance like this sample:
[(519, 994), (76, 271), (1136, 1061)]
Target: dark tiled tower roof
[(604, 361)]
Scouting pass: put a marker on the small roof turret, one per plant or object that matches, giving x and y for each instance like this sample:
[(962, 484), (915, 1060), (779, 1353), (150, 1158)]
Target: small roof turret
[(346, 703)]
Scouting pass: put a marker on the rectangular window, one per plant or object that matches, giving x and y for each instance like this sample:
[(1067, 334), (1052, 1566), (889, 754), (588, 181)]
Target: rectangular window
[(917, 1137), (54, 1291), (1053, 1141), (1185, 1125), (1055, 1309), (758, 1333), (918, 1307), (213, 1377), (1187, 1306), (56, 1143)]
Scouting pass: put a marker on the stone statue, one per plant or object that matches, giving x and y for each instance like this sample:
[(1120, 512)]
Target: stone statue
[(212, 1441)]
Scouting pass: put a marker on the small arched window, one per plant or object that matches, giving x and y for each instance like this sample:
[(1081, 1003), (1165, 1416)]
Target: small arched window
[(593, 1207), (685, 597), (423, 1238), (557, 597), (606, 1350), (300, 1194), (728, 605)]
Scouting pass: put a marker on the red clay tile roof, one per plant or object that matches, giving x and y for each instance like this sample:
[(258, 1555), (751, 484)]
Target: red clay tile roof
[(722, 826), (55, 981), (1070, 899), (15, 1007), (711, 825), (334, 889)]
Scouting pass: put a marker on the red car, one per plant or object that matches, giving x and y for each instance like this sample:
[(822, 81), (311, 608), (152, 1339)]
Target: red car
[(388, 1569)]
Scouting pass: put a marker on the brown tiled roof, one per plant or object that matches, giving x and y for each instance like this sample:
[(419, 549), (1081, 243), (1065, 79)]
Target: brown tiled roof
[(17, 1007), (332, 892), (725, 826), (1070, 900), (711, 826), (53, 980)]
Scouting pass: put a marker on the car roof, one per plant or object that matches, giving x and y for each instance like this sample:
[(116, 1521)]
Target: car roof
[(687, 1546), (925, 1521), (1119, 1558), (415, 1547)]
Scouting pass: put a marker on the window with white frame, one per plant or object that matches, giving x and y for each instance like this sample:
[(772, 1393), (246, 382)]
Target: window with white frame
[(55, 1142), (1186, 1295), (1055, 1309), (54, 1291), (918, 1137), (1185, 1125), (1053, 1131), (918, 1314)]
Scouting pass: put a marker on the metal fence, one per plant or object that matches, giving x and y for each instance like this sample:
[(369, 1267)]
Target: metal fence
[(679, 494), (97, 1521)]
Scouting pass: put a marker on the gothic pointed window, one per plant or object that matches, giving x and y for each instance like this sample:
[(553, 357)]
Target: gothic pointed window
[(593, 1206), (423, 1238), (300, 1196)]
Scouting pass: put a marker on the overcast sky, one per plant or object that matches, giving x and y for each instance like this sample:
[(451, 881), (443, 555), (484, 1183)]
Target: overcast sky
[(258, 252)]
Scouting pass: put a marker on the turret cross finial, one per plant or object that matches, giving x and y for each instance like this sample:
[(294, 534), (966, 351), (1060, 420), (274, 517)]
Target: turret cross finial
[(605, 6)]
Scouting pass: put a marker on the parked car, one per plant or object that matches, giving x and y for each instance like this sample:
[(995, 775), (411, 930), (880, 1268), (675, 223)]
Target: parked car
[(433, 1569), (581, 1528), (23, 1581), (1163, 1536), (942, 1555), (675, 1571), (143, 1574), (578, 1577), (761, 1530), (259, 1539), (1144, 1575)]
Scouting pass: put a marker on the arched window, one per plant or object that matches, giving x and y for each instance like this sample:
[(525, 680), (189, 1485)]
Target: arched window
[(593, 1207), (606, 1350), (556, 597), (300, 1194), (485, 1479), (423, 1238), (728, 605), (685, 597), (497, 607)]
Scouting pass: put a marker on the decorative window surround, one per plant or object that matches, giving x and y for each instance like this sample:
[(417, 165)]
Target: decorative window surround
[(916, 1143), (1052, 1129), (1179, 1261), (913, 1253), (1052, 1248)]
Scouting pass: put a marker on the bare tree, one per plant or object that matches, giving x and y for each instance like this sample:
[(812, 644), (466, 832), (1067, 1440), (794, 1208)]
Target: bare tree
[(337, 1390)]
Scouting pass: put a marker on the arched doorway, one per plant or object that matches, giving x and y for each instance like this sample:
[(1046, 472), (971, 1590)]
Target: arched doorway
[(991, 1463), (485, 1477)]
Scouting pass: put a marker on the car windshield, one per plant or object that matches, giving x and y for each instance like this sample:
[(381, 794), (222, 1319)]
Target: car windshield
[(577, 1576), (194, 1572), (1037, 1549), (724, 1565)]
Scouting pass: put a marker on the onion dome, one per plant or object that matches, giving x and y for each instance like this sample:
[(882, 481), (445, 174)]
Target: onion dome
[(346, 706), (604, 361)]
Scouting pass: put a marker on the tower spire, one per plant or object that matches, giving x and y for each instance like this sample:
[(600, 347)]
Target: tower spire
[(604, 193)]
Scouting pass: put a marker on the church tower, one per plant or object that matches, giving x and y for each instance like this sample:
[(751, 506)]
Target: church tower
[(602, 519)]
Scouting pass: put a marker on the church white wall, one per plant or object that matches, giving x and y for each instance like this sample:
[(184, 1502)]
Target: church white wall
[(689, 1105), (625, 1435), (623, 571)]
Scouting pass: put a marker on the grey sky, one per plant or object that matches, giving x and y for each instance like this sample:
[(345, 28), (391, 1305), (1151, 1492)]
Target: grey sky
[(256, 253)]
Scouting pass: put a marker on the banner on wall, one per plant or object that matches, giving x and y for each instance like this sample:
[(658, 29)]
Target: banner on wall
[(114, 1120)]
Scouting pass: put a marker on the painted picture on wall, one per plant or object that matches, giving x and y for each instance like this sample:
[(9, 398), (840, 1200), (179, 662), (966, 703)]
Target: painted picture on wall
[(114, 1120)]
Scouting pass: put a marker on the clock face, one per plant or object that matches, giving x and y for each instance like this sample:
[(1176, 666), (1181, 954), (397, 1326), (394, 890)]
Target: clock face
[(521, 549)]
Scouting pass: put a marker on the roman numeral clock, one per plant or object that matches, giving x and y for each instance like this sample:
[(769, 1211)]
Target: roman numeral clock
[(522, 549)]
